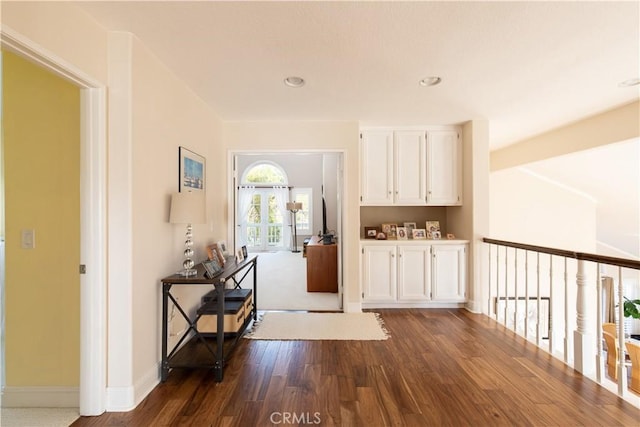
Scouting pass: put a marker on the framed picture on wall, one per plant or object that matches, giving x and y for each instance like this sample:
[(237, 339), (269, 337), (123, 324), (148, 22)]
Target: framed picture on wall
[(191, 171)]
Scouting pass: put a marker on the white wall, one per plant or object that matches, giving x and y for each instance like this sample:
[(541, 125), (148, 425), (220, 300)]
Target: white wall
[(529, 210)]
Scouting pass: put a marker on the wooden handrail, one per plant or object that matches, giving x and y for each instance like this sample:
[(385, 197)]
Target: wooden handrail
[(620, 262)]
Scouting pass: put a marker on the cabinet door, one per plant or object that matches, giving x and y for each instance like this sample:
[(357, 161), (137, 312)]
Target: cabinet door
[(379, 273), (414, 273), (410, 163), (449, 278), (376, 153), (444, 168)]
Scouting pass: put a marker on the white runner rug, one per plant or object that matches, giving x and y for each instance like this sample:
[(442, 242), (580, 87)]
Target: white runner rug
[(318, 326)]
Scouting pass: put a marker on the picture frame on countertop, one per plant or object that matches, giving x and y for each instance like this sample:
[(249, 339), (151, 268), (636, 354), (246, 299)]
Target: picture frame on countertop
[(191, 169), (419, 233), (402, 233), (410, 226), (381, 235), (370, 232), (431, 227), (435, 235), (390, 230)]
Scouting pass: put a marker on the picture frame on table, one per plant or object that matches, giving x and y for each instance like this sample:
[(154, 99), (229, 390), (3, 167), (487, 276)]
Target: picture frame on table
[(245, 252), (419, 233), (191, 169), (402, 233), (239, 256), (390, 230), (222, 245), (214, 252), (410, 226), (211, 268), (370, 232)]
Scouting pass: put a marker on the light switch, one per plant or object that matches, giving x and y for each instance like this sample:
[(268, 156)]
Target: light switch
[(28, 239)]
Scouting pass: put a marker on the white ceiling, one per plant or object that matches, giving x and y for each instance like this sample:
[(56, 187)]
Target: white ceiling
[(527, 67)]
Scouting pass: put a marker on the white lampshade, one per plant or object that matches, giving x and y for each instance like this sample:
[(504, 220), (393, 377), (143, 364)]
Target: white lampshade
[(294, 206), (187, 208)]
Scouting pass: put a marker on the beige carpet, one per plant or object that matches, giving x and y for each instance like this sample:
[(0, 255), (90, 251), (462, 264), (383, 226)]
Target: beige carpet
[(38, 417), (282, 284), (318, 326)]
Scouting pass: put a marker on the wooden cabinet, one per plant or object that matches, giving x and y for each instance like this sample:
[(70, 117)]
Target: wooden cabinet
[(322, 266), (409, 273), (411, 167)]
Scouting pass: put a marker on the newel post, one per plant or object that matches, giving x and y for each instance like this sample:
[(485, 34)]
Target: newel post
[(583, 351)]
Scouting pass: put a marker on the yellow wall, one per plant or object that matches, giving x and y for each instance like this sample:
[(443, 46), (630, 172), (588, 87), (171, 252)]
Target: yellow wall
[(42, 289)]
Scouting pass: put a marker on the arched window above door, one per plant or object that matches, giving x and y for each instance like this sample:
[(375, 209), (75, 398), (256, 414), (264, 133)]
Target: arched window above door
[(264, 172)]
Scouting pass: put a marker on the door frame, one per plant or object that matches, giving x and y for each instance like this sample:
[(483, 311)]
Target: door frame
[(233, 181), (93, 248)]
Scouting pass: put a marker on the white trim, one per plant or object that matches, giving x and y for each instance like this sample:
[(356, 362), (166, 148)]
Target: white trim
[(93, 179), (42, 397), (147, 383), (120, 399)]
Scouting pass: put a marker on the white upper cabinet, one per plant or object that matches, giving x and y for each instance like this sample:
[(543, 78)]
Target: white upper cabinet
[(444, 173), (411, 167), (410, 149), (376, 160)]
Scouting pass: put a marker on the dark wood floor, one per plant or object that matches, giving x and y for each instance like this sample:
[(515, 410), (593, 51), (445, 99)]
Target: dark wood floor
[(439, 368)]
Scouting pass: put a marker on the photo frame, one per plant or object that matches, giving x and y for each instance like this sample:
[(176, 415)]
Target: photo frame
[(431, 227), (213, 252), (435, 235), (211, 268), (381, 235), (370, 232), (222, 245), (410, 226), (402, 233), (390, 230), (239, 255), (245, 252), (419, 233), (191, 169)]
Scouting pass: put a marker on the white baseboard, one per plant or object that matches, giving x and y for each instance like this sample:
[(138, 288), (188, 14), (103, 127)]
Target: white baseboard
[(39, 397), (147, 383), (353, 307), (120, 399), (474, 307)]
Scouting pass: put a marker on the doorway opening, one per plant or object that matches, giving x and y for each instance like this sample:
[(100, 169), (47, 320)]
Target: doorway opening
[(262, 185)]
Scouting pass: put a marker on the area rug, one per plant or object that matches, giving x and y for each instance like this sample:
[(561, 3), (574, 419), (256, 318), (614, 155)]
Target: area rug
[(318, 326), (38, 417)]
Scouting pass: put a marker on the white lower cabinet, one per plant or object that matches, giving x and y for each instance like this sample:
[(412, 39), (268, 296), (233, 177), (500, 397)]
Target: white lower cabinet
[(413, 273)]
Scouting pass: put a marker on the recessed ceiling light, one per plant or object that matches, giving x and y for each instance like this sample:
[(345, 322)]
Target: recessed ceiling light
[(629, 83), (430, 81), (294, 81)]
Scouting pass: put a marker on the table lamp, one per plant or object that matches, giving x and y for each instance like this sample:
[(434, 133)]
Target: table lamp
[(188, 208)]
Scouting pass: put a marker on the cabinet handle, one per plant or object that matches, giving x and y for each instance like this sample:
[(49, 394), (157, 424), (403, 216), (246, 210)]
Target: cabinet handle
[(393, 256)]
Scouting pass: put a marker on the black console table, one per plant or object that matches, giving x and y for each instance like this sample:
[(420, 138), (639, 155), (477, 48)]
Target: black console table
[(203, 350)]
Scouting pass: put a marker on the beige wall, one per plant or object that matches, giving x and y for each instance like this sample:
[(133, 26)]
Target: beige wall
[(41, 124), (616, 125)]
